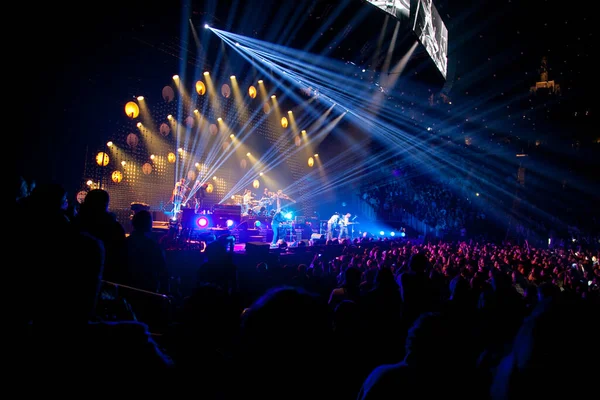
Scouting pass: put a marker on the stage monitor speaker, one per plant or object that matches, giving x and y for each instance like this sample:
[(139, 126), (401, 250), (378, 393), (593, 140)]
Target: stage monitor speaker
[(257, 249), (318, 238)]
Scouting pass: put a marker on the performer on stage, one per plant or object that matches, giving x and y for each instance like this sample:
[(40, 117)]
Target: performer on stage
[(332, 224), (280, 195), (178, 194), (343, 223), (199, 197), (277, 224)]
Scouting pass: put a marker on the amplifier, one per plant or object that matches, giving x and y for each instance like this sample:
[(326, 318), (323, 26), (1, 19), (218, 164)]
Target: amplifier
[(227, 209)]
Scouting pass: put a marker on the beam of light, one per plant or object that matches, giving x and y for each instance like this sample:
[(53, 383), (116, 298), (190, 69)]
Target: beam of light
[(278, 153), (385, 123)]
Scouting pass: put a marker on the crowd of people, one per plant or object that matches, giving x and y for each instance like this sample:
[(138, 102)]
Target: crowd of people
[(446, 207), (368, 319)]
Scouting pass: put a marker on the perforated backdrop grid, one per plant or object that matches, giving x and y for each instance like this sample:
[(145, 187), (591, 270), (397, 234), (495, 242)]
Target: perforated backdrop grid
[(151, 180)]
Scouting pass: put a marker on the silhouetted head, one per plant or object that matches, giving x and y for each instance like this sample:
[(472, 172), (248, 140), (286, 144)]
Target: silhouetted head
[(142, 221), (96, 200), (418, 263)]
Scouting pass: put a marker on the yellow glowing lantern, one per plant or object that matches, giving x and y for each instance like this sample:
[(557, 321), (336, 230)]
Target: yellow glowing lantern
[(102, 159), (200, 88), (191, 175), (284, 122), (147, 169), (132, 110), (116, 176), (171, 158), (252, 91), (256, 184), (311, 161), (210, 188)]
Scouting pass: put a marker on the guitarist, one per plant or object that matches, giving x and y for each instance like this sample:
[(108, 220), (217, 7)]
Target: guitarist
[(278, 225), (343, 223)]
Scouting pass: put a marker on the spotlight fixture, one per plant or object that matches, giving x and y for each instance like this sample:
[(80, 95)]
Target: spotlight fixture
[(206, 73), (316, 155), (289, 112), (123, 163), (232, 77), (169, 117), (232, 136), (139, 124), (248, 154), (180, 150), (237, 44), (206, 26), (196, 111), (109, 144), (152, 156), (219, 119), (273, 96), (260, 81), (140, 98), (175, 77)]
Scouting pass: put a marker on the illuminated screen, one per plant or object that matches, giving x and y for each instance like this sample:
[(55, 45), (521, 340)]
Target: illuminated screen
[(431, 31), (398, 8)]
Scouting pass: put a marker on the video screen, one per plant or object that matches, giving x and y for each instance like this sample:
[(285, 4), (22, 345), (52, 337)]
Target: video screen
[(397, 8), (431, 31)]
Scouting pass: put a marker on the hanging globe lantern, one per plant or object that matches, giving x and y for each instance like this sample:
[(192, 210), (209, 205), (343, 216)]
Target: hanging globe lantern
[(210, 188), (311, 162), (256, 184), (132, 140), (164, 129), (168, 94), (284, 122), (147, 169), (189, 122), (171, 158), (252, 92), (132, 110), (81, 196), (226, 90), (200, 88), (102, 159), (117, 176)]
